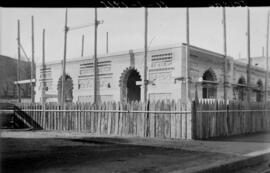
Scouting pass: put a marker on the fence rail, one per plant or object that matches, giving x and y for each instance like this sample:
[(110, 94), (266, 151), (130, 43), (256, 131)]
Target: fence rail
[(161, 119), (211, 111), (114, 111)]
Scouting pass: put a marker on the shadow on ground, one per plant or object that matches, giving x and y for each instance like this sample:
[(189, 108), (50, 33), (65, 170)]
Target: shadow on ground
[(95, 155), (263, 137)]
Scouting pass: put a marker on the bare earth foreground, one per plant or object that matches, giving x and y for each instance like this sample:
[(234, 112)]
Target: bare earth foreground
[(86, 155), (51, 151)]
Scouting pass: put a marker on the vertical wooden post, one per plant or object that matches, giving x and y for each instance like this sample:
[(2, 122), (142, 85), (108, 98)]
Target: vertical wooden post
[(95, 58), (43, 68), (18, 64), (194, 120), (107, 42), (82, 45), (225, 55), (64, 63), (248, 55), (145, 57), (187, 54), (267, 61), (33, 64)]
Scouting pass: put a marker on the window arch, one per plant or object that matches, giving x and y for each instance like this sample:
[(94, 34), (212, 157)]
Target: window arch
[(129, 91), (209, 84), (259, 91), (241, 88)]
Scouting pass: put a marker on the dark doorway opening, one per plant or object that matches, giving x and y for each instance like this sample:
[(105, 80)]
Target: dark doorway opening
[(259, 92), (68, 90), (133, 90), (241, 89), (209, 87)]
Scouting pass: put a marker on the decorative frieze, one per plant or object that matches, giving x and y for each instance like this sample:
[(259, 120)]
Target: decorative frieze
[(88, 68), (85, 83), (160, 76), (159, 96), (161, 60), (48, 73)]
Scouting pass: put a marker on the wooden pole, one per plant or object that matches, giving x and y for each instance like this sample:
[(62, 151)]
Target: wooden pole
[(18, 63), (248, 55), (95, 57), (187, 54), (82, 45), (145, 55), (107, 42), (43, 68), (64, 62), (33, 64), (267, 59), (225, 55), (225, 65)]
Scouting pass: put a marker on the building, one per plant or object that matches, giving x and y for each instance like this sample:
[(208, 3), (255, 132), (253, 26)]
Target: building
[(8, 75), (119, 76)]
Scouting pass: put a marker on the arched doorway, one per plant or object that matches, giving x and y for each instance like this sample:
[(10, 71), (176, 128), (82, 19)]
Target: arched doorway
[(68, 92), (259, 91), (209, 84), (129, 91), (241, 89)]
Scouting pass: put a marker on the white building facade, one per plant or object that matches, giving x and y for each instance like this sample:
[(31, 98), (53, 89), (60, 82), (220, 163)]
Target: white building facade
[(119, 75)]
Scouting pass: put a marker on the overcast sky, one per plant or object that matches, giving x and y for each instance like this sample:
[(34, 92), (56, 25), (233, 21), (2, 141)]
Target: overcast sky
[(126, 29)]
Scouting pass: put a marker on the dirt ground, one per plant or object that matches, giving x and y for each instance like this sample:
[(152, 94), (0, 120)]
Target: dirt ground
[(86, 155)]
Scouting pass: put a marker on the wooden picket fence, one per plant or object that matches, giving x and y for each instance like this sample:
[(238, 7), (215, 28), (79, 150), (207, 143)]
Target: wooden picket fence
[(216, 118), (167, 119), (161, 119)]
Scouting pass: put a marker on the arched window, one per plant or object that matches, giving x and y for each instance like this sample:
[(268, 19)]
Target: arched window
[(259, 91), (209, 84), (241, 89)]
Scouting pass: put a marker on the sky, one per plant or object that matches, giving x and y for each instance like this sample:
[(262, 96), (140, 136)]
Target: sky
[(125, 26)]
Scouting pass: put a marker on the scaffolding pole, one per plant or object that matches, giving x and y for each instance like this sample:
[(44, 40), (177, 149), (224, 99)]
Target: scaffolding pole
[(33, 64), (187, 54), (248, 54), (107, 42), (267, 58), (43, 68), (95, 57), (145, 56), (64, 63), (18, 64), (225, 54), (82, 46)]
